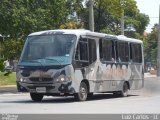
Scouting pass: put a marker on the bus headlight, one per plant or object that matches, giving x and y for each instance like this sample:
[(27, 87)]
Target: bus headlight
[(63, 78), (21, 80)]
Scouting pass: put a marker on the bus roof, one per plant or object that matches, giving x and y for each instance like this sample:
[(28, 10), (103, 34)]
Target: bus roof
[(84, 32)]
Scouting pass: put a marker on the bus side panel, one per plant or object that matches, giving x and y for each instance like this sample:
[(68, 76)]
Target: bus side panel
[(90, 73), (95, 77), (114, 75), (79, 75), (78, 78), (108, 77), (136, 81), (106, 80)]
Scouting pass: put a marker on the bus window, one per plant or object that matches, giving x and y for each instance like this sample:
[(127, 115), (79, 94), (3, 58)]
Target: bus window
[(81, 55), (92, 51), (122, 51), (83, 51), (77, 57), (106, 50), (136, 53)]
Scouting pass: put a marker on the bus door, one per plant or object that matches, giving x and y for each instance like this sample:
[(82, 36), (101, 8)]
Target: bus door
[(81, 60), (93, 69)]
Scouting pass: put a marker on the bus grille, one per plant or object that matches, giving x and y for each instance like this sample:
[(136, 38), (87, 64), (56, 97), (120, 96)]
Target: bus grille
[(41, 79)]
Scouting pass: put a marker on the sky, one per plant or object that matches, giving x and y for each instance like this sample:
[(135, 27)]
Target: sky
[(151, 8)]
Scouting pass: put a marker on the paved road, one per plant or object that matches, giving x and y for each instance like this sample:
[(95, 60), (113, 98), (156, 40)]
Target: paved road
[(146, 100)]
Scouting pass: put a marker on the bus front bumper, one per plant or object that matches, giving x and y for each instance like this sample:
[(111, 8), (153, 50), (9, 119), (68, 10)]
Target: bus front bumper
[(47, 87)]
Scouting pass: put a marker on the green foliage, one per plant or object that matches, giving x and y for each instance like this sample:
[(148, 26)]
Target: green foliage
[(142, 22), (150, 46), (18, 18), (107, 14), (107, 31), (12, 48), (8, 80), (1, 65), (75, 6)]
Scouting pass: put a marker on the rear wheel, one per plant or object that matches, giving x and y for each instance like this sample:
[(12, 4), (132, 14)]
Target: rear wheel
[(124, 92), (36, 97), (83, 92)]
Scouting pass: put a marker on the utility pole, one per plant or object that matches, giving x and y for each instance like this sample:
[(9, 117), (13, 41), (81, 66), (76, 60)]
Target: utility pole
[(158, 53), (0, 49), (122, 23), (0, 45), (122, 3), (91, 15)]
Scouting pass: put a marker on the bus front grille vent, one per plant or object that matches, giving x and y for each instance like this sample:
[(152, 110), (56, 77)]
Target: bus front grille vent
[(34, 79)]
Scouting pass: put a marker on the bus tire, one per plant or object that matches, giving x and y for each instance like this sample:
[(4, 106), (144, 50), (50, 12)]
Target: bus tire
[(124, 92), (83, 92), (36, 97)]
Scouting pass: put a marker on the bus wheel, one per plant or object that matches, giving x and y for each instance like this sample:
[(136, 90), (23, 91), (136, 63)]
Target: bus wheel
[(36, 97), (83, 92), (124, 92)]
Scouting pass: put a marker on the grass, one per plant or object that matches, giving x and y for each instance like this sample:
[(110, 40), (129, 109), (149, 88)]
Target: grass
[(7, 80)]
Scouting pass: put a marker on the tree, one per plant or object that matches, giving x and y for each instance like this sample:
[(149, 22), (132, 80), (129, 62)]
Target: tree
[(150, 46), (18, 18), (108, 13), (142, 21), (12, 48)]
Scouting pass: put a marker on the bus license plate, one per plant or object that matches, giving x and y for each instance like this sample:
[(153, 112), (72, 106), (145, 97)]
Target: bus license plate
[(41, 89)]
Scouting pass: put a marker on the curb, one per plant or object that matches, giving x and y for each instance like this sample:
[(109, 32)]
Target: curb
[(4, 86), (8, 88)]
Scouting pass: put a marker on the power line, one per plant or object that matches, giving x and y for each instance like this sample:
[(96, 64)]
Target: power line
[(153, 17)]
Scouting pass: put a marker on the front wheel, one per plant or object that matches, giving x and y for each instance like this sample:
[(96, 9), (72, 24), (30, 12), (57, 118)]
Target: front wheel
[(36, 97), (83, 92)]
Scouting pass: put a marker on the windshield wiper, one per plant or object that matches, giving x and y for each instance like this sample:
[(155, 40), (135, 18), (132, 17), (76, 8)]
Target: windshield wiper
[(53, 59)]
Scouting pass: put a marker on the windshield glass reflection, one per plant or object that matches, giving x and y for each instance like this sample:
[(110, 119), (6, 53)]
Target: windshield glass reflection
[(48, 49)]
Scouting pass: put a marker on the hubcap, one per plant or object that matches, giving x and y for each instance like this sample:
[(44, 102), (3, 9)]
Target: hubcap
[(125, 90), (83, 93)]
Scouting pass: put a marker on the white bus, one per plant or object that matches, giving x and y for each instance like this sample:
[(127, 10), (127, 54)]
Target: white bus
[(79, 63)]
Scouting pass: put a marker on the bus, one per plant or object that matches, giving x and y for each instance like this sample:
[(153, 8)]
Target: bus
[(79, 63)]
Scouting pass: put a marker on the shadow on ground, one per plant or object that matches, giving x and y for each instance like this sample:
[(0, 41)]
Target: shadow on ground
[(69, 99)]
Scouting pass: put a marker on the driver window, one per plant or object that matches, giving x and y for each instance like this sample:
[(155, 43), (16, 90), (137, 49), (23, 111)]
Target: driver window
[(81, 55)]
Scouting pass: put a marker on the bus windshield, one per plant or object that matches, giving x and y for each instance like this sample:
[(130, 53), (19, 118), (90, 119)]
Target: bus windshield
[(54, 49)]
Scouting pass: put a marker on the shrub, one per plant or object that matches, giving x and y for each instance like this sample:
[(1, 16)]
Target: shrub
[(1, 65)]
